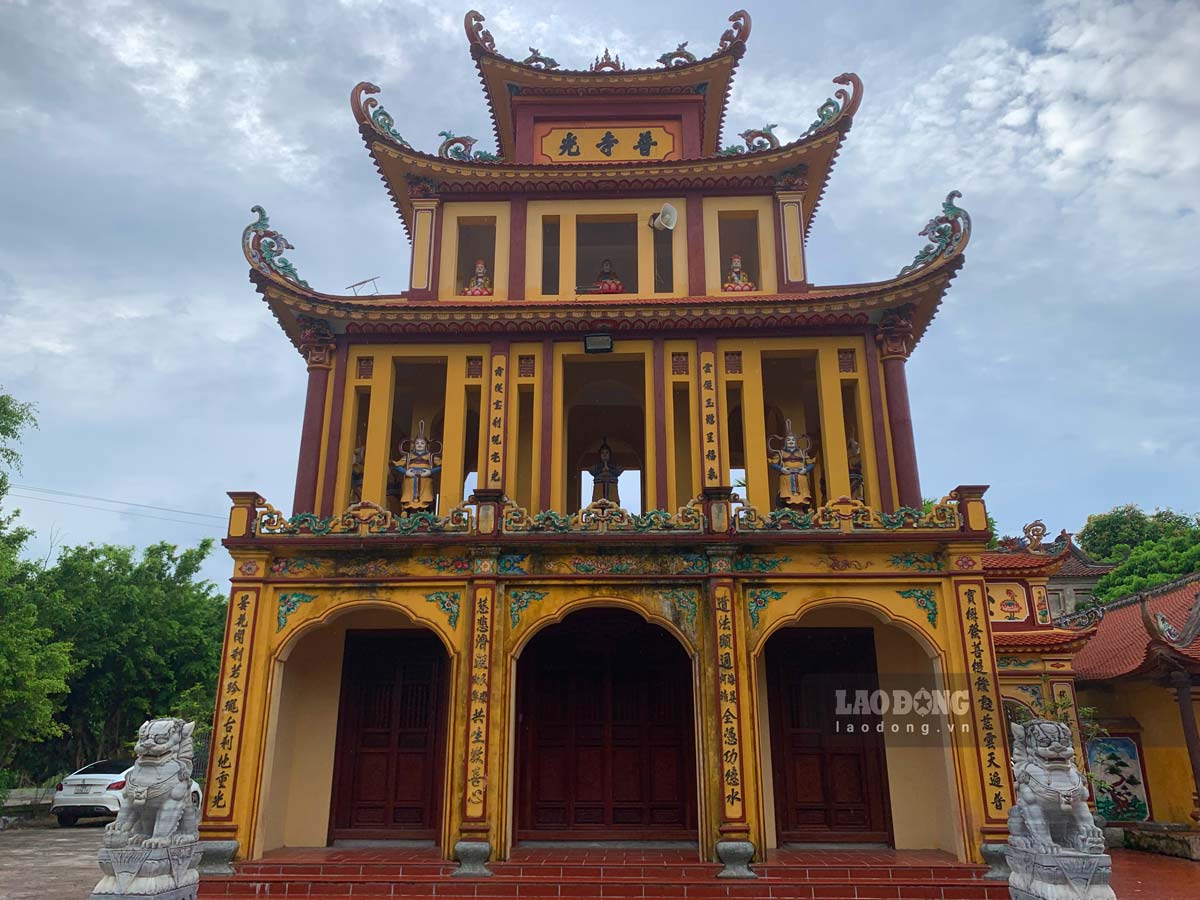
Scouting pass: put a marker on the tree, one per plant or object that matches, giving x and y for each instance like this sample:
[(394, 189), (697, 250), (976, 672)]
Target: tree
[(1113, 535), (33, 666), (146, 636), (1152, 563)]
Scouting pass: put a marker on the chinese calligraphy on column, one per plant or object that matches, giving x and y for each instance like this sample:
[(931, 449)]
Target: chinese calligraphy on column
[(495, 446), (985, 702), (727, 706), (230, 704), (475, 799), (708, 413)]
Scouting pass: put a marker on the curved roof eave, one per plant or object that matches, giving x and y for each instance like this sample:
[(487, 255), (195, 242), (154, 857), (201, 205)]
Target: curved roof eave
[(679, 68)]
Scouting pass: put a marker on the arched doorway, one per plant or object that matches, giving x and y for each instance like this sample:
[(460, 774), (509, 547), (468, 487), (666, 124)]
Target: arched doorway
[(824, 782), (605, 732), (830, 785), (391, 730)]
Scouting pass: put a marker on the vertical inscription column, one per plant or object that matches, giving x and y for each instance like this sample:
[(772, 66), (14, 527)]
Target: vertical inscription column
[(493, 476), (710, 423), (224, 819), (475, 827), (733, 841), (317, 345), (986, 706), (895, 343)]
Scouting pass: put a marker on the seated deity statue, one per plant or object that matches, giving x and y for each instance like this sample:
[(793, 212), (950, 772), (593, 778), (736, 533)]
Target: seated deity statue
[(415, 468), (478, 285), (794, 465), (737, 279), (605, 475), (607, 281)]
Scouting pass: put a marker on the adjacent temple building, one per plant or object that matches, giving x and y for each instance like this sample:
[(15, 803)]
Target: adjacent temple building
[(609, 526)]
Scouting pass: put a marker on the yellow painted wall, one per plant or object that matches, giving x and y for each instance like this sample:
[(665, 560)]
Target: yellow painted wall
[(1168, 770)]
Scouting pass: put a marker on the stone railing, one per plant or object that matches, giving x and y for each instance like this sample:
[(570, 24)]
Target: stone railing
[(845, 514), (961, 512)]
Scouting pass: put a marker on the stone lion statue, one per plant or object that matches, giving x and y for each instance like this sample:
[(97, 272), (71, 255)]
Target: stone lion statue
[(1051, 813), (156, 807)]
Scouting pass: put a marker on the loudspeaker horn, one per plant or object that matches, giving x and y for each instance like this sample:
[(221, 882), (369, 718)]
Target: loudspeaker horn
[(665, 219)]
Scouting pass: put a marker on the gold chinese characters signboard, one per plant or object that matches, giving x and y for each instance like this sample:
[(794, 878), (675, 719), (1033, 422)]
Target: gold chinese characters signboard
[(606, 142)]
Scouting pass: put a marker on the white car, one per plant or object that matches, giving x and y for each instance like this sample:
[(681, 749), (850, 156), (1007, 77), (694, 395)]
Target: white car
[(95, 790)]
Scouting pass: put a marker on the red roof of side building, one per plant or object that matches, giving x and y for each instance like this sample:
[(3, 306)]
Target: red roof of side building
[(1060, 639), (1139, 631), (1079, 565)]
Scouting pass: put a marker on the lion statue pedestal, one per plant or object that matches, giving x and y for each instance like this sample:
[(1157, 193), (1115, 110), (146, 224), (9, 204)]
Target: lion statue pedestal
[(1055, 850), (153, 848)]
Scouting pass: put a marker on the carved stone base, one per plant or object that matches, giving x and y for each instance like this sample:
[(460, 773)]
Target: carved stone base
[(997, 863), (1169, 842), (188, 892), (736, 856), (472, 859), (216, 857), (1067, 875), (162, 873)]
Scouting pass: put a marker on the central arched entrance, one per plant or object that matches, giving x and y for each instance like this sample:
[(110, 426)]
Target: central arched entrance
[(605, 732)]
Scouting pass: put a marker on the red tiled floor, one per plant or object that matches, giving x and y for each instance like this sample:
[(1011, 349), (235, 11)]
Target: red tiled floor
[(1154, 877)]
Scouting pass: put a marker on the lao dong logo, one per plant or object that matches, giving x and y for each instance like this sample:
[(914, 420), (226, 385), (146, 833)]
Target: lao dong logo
[(918, 707)]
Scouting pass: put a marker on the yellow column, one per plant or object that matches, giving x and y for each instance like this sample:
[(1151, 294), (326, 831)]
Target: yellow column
[(650, 475), (379, 431), (833, 426), (758, 478), (454, 433), (558, 435)]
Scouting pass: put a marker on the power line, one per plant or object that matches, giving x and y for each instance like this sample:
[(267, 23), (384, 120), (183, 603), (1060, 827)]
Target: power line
[(122, 512), (25, 487)]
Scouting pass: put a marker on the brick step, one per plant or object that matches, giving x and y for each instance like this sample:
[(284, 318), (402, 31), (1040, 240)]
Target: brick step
[(658, 872), (316, 887)]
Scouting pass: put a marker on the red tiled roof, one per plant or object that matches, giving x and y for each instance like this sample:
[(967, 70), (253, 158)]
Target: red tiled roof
[(1056, 638), (1121, 642), (1079, 565), (1021, 561)]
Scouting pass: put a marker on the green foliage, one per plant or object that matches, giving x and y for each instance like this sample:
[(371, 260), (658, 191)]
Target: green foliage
[(146, 638), (33, 663), (1150, 564), (1112, 536), (15, 417)]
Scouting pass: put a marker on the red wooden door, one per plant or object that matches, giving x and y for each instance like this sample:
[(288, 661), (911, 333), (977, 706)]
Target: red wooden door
[(829, 785), (387, 776), (607, 748)]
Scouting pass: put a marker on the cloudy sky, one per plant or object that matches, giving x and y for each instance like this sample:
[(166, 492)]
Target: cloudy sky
[(135, 136)]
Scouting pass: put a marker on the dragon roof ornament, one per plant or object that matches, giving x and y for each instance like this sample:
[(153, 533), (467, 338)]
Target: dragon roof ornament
[(840, 107), (264, 248), (680, 56), (477, 34), (538, 60), (732, 39), (948, 235), (737, 33), (369, 112)]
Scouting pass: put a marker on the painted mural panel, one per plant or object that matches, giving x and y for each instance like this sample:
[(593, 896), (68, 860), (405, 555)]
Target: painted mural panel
[(1115, 762), (1007, 602)]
